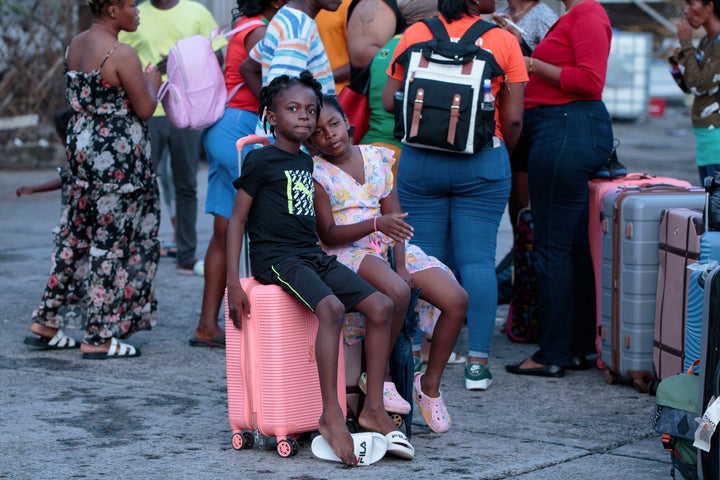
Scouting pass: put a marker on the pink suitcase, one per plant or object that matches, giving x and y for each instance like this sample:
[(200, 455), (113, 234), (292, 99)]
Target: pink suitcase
[(680, 231), (597, 226), (272, 379)]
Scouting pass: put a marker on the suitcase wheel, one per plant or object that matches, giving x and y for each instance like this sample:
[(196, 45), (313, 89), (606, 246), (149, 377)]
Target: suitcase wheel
[(237, 441), (397, 419), (287, 447), (611, 377), (248, 440), (243, 441)]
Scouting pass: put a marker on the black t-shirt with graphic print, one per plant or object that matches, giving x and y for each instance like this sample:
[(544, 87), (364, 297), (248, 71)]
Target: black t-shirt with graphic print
[(281, 222)]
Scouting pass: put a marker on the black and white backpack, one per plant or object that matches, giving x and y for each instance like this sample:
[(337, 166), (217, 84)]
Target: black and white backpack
[(442, 105)]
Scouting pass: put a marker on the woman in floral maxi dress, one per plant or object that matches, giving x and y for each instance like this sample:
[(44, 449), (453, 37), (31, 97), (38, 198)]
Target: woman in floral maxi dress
[(110, 223)]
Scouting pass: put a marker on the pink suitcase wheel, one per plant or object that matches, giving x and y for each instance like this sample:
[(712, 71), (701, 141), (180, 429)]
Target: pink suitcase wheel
[(237, 441), (287, 447), (295, 446), (243, 441)]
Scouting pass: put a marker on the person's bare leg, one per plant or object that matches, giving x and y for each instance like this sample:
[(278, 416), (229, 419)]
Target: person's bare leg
[(379, 274), (173, 221), (330, 313), (42, 330), (442, 291), (377, 309), (214, 289)]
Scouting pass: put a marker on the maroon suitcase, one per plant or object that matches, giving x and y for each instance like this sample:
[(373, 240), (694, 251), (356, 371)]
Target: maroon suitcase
[(680, 231)]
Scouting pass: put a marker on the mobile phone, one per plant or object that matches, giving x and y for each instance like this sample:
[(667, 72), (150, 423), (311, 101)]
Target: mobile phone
[(514, 25)]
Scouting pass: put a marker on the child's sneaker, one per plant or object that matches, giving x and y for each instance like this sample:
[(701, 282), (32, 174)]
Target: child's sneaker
[(477, 376), (433, 410)]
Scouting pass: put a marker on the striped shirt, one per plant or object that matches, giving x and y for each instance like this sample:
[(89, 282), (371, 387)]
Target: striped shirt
[(292, 44)]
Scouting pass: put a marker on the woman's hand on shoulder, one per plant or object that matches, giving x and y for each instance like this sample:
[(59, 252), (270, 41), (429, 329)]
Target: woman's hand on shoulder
[(394, 226)]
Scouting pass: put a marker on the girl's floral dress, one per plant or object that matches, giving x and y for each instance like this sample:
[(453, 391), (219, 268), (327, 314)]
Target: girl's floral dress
[(106, 248), (353, 203)]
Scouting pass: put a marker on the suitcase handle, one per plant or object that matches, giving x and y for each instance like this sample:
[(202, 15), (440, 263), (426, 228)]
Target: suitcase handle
[(251, 139), (657, 187)]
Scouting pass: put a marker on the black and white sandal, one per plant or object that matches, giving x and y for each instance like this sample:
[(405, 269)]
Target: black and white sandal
[(117, 350), (58, 342)]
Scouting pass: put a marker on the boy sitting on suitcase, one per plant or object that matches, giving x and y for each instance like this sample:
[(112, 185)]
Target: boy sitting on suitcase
[(275, 198)]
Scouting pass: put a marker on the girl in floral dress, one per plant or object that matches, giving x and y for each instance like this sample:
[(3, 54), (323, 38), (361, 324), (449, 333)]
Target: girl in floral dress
[(111, 220), (359, 217)]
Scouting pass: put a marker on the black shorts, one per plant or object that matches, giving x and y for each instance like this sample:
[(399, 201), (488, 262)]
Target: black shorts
[(312, 277)]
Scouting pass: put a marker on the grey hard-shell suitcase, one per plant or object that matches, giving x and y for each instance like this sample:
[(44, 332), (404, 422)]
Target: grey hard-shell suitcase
[(630, 277)]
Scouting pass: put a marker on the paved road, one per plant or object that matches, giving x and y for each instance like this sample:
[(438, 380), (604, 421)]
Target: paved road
[(164, 415)]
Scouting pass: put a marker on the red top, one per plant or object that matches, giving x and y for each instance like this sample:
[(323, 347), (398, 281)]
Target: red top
[(236, 53), (579, 43)]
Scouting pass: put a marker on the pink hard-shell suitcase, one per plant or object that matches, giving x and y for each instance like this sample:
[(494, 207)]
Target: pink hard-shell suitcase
[(598, 225), (272, 376), (680, 231)]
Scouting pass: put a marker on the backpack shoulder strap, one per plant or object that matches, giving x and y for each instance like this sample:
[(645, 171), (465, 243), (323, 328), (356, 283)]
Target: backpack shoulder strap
[(437, 28), (476, 31), (244, 26)]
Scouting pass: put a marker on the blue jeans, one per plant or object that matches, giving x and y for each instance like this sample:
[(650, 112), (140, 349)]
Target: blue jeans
[(184, 147), (222, 155), (455, 203), (568, 144)]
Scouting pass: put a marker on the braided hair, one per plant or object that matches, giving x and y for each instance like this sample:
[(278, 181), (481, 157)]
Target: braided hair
[(249, 8), (97, 6), (283, 82), (332, 102)]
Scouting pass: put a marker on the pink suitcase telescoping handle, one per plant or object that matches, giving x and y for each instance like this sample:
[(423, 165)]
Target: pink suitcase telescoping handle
[(249, 140)]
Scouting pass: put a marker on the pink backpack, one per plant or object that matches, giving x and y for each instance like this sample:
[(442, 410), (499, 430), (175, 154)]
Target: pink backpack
[(194, 94)]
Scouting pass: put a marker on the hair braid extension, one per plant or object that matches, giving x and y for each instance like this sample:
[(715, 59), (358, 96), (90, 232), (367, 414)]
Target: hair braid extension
[(280, 83)]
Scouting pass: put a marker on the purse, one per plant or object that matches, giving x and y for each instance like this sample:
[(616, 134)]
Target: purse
[(354, 102)]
